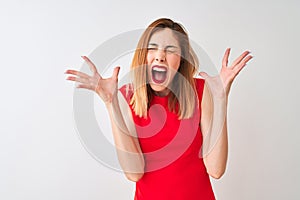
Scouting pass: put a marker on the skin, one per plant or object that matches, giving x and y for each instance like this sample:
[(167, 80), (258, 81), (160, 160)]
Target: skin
[(163, 50), (106, 88), (215, 94), (215, 91)]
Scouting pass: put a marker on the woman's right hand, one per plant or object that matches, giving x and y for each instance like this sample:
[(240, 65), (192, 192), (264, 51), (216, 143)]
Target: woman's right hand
[(105, 88)]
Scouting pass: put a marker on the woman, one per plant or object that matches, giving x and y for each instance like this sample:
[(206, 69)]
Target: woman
[(169, 152)]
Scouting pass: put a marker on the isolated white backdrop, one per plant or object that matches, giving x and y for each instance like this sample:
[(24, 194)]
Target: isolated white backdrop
[(41, 156)]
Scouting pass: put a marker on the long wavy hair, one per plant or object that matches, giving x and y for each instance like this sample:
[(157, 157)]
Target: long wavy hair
[(182, 88)]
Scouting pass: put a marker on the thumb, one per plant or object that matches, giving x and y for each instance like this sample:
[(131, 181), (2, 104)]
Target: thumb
[(116, 72), (204, 75)]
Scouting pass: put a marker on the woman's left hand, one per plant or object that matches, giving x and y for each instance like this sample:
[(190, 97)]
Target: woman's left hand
[(227, 74)]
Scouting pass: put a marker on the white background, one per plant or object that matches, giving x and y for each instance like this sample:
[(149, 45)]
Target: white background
[(40, 151)]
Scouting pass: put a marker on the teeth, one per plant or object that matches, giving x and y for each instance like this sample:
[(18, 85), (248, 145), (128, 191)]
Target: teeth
[(159, 69)]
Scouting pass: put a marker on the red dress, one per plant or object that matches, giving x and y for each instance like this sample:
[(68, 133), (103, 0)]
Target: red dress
[(171, 149)]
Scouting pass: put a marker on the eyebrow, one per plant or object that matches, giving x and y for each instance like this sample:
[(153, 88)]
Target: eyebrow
[(168, 46)]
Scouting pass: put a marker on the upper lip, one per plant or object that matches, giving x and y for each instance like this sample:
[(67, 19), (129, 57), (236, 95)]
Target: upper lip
[(159, 67)]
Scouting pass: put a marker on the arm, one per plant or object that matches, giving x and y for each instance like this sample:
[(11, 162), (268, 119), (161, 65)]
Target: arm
[(128, 149), (127, 145), (214, 129), (214, 114)]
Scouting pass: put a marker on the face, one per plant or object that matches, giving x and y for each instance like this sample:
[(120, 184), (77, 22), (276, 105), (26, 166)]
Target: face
[(163, 60)]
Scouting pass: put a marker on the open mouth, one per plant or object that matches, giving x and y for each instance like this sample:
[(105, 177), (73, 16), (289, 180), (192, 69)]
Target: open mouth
[(159, 74)]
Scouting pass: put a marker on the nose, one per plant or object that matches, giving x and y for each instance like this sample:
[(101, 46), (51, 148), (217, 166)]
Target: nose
[(160, 56)]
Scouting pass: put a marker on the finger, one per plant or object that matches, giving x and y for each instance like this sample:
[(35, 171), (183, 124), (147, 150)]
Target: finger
[(77, 73), (240, 58), (91, 64), (116, 73), (78, 79), (89, 87), (242, 64), (204, 75), (225, 58)]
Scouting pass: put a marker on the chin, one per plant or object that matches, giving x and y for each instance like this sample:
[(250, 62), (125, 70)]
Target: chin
[(157, 88)]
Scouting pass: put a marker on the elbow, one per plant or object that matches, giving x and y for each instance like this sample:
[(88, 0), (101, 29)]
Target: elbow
[(134, 177), (215, 170), (216, 174)]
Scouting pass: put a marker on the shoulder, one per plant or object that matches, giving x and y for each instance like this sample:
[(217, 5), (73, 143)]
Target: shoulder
[(199, 83), (127, 91)]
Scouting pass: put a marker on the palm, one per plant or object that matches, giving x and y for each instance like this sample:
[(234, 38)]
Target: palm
[(105, 87), (220, 85)]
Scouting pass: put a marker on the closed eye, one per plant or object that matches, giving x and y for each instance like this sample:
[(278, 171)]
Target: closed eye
[(166, 50), (170, 51), (151, 48)]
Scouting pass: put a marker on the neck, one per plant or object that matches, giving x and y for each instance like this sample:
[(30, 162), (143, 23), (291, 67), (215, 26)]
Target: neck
[(162, 93)]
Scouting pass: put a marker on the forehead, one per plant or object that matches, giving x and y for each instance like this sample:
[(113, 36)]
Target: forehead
[(164, 37)]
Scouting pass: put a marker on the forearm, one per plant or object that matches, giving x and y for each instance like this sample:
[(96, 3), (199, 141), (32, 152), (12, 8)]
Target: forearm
[(127, 145), (216, 160), (214, 130)]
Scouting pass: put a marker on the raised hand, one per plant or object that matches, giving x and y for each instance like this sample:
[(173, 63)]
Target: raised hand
[(220, 85), (105, 88)]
